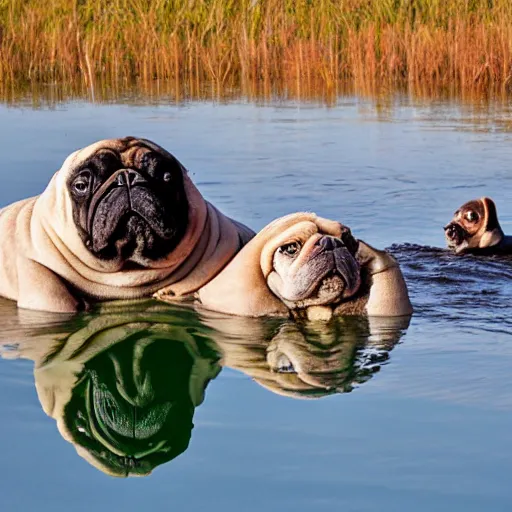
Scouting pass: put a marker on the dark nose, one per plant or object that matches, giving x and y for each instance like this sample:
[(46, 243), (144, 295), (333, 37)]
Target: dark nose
[(129, 462), (329, 243), (454, 232), (129, 178), (450, 229)]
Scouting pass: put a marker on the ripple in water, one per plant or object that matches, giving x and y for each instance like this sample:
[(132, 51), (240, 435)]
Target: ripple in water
[(471, 290)]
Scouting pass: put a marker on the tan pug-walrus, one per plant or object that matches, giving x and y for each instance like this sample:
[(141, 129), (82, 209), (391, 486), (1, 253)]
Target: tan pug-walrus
[(121, 382), (475, 229), (303, 263), (121, 219)]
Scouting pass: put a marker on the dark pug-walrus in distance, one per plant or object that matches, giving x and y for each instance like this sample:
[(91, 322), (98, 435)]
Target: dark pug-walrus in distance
[(120, 220), (475, 229)]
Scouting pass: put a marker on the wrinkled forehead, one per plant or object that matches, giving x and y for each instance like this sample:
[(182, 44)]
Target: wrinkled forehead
[(298, 227), (475, 206), (295, 221), (129, 150)]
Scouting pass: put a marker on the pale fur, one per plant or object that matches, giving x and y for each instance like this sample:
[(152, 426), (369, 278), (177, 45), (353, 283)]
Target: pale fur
[(322, 354), (42, 254), (242, 288)]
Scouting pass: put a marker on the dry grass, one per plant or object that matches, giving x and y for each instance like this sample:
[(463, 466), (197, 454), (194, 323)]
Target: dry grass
[(301, 44)]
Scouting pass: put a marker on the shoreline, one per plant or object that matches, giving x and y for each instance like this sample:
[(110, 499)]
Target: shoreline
[(411, 43)]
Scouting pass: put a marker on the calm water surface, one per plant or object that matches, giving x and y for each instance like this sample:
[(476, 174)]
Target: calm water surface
[(399, 417)]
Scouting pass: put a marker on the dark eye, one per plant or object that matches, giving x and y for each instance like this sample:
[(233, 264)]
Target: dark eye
[(81, 184), (471, 216), (290, 249), (167, 177)]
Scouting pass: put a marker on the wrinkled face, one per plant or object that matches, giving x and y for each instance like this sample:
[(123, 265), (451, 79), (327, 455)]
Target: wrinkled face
[(129, 204), (313, 268), (474, 225)]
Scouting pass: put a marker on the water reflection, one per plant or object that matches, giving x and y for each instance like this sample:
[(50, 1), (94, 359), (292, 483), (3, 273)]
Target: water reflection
[(307, 359), (123, 382), (485, 109)]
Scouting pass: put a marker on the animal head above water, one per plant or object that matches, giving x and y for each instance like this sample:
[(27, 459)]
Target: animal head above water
[(297, 261), (312, 263), (305, 264), (128, 199), (474, 226)]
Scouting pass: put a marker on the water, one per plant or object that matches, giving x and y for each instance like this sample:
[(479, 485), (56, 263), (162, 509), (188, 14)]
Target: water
[(399, 417)]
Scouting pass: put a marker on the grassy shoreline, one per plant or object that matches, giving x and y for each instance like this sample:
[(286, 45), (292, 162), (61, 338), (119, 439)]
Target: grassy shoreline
[(304, 43)]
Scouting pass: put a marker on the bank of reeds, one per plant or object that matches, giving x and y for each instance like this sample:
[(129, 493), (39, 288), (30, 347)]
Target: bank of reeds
[(302, 43)]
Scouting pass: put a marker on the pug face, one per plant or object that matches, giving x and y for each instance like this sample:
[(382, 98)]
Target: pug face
[(474, 226), (312, 268), (129, 201)]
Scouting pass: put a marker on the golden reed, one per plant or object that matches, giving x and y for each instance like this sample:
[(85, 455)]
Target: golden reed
[(302, 44)]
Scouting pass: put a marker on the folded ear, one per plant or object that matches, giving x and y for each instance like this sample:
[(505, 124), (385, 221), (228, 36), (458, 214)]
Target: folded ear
[(491, 214), (493, 233)]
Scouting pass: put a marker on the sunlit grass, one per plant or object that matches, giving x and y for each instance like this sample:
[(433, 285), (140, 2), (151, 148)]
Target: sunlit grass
[(431, 43)]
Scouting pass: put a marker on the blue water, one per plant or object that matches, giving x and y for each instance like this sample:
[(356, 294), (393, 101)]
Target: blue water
[(427, 428)]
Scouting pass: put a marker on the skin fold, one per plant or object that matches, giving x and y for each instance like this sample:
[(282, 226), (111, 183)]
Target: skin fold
[(121, 219), (475, 228), (305, 265)]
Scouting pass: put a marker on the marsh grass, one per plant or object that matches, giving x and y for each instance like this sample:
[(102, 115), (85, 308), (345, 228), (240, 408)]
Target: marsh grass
[(301, 44)]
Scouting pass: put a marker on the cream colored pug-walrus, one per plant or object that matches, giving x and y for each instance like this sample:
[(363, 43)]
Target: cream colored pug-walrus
[(475, 228), (303, 263), (121, 219)]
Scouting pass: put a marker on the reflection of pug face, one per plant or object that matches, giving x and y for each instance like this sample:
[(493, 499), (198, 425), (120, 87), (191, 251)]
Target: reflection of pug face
[(129, 201), (123, 382), (308, 364), (301, 359), (474, 226), (311, 268), (131, 408)]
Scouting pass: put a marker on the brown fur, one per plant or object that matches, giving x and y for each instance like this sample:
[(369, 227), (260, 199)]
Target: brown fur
[(475, 227)]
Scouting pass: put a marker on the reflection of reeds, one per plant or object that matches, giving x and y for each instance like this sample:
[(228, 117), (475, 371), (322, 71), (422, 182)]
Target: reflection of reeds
[(303, 43)]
